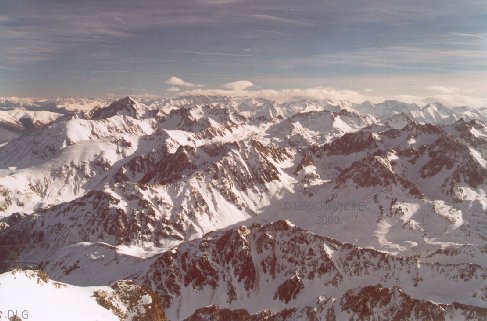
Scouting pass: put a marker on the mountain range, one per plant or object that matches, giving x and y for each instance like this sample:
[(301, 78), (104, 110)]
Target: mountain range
[(231, 208)]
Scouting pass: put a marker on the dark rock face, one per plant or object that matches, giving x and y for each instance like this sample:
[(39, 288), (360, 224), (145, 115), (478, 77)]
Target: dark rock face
[(368, 303), (217, 314), (373, 171), (246, 259), (125, 106), (27, 123), (141, 303), (352, 143), (288, 290), (160, 179), (395, 304)]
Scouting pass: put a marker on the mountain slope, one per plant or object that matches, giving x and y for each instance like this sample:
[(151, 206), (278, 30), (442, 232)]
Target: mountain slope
[(279, 265), (246, 208)]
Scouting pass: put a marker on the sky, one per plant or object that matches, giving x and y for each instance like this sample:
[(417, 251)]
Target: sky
[(415, 50)]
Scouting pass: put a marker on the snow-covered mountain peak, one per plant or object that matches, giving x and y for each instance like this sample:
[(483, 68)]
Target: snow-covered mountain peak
[(399, 121), (125, 106)]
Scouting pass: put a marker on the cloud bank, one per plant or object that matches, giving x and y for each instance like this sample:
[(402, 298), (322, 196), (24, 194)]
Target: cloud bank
[(450, 96)]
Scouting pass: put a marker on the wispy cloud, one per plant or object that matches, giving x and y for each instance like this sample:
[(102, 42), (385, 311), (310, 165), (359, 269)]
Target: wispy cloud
[(218, 2), (273, 32), (42, 30), (281, 20), (203, 53), (5, 19), (401, 58), (469, 35)]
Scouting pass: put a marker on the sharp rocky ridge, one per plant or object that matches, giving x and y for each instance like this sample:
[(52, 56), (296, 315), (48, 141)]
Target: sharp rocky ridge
[(225, 208)]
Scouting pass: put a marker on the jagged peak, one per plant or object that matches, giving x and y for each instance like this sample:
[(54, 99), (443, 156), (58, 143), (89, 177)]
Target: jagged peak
[(125, 106), (473, 123), (376, 170)]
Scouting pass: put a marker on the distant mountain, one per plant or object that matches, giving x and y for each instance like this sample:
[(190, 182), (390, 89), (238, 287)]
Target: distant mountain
[(19, 121), (384, 109), (52, 104), (432, 113)]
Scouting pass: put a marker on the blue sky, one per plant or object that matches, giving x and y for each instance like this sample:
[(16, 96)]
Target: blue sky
[(118, 47)]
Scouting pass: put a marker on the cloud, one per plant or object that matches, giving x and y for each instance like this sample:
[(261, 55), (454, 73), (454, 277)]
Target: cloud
[(449, 96), (457, 100), (450, 90), (60, 27), (238, 85), (398, 58), (203, 53), (144, 95), (173, 89), (5, 19), (316, 93), (445, 90), (270, 18), (455, 96), (469, 35), (70, 43), (218, 2), (175, 81)]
